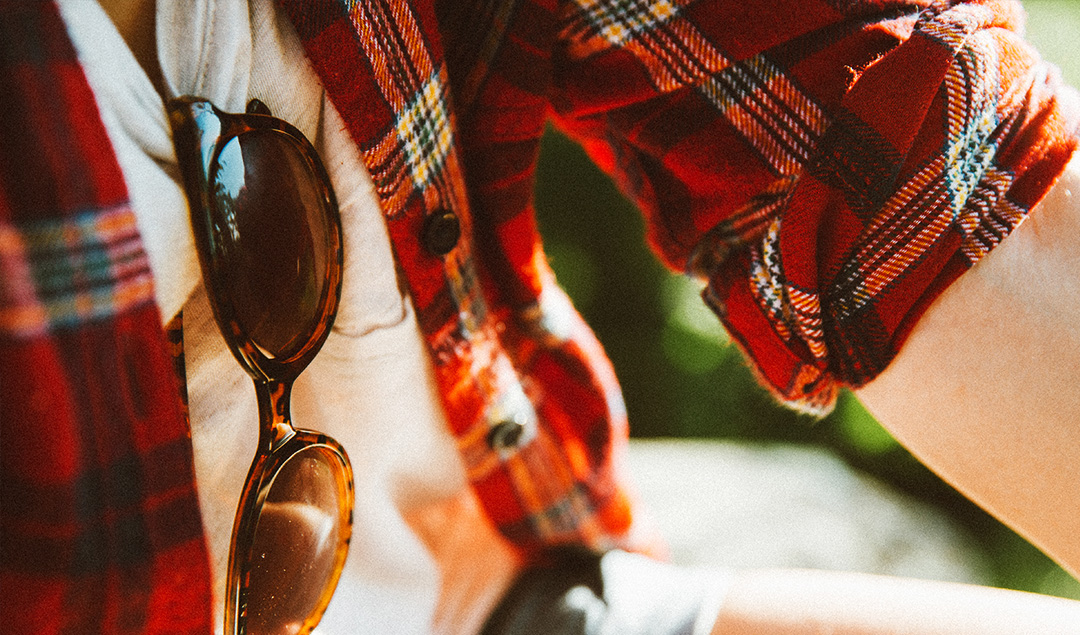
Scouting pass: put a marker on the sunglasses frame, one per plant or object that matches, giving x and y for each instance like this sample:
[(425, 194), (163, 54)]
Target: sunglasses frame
[(200, 133)]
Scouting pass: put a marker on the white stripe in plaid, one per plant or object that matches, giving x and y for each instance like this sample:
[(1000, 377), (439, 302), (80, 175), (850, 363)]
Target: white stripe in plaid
[(423, 128), (953, 27), (60, 273), (620, 21), (988, 215), (900, 234), (673, 52), (794, 312), (913, 217), (781, 122), (746, 226), (768, 284)]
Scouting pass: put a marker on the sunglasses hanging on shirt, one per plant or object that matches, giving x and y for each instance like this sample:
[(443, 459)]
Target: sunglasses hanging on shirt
[(268, 234)]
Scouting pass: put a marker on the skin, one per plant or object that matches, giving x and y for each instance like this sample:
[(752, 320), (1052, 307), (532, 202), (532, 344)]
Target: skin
[(981, 392), (779, 602)]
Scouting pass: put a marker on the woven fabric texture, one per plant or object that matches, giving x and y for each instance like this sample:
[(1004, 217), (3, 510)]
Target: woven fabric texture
[(826, 166)]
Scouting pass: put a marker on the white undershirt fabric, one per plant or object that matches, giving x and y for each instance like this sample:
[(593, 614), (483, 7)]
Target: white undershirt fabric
[(423, 559)]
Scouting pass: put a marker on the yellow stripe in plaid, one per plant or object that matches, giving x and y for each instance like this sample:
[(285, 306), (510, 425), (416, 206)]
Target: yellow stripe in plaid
[(424, 131), (618, 22)]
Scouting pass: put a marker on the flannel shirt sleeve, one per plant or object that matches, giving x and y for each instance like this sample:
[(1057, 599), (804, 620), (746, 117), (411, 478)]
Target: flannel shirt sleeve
[(99, 525), (828, 167)]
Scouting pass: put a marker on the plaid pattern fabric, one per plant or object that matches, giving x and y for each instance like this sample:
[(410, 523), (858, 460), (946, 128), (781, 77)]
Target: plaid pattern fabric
[(99, 525), (769, 144), (827, 167), (495, 363)]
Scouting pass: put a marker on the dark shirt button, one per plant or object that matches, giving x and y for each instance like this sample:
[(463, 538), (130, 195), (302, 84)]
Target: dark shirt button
[(505, 435), (441, 232)]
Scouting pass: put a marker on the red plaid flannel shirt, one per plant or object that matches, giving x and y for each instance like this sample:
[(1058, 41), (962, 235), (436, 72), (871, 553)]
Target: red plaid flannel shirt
[(828, 166)]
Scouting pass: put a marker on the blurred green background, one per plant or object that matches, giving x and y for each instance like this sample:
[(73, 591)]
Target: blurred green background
[(682, 378)]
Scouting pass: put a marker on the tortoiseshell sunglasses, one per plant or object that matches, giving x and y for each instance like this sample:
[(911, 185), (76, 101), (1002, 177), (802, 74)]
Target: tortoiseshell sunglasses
[(268, 234)]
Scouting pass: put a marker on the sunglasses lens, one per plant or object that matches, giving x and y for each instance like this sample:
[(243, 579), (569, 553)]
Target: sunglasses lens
[(296, 545), (270, 239)]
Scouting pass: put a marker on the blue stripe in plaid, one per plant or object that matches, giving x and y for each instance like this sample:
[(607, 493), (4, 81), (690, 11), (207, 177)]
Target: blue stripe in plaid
[(972, 86), (77, 269)]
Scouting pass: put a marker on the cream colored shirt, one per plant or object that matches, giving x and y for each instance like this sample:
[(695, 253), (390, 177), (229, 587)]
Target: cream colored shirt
[(422, 558)]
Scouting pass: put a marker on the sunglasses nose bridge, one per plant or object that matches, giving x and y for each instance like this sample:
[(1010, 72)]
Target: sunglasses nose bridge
[(274, 398)]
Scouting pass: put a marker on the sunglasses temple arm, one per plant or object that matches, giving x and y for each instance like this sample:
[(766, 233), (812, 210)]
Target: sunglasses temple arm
[(196, 127)]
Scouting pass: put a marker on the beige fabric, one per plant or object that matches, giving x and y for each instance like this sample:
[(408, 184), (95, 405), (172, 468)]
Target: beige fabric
[(371, 387)]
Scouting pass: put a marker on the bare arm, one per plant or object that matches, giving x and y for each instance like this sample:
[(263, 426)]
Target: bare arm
[(985, 390), (776, 602)]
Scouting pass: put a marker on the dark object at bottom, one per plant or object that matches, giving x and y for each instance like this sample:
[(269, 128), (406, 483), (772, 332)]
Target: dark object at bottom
[(580, 593)]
